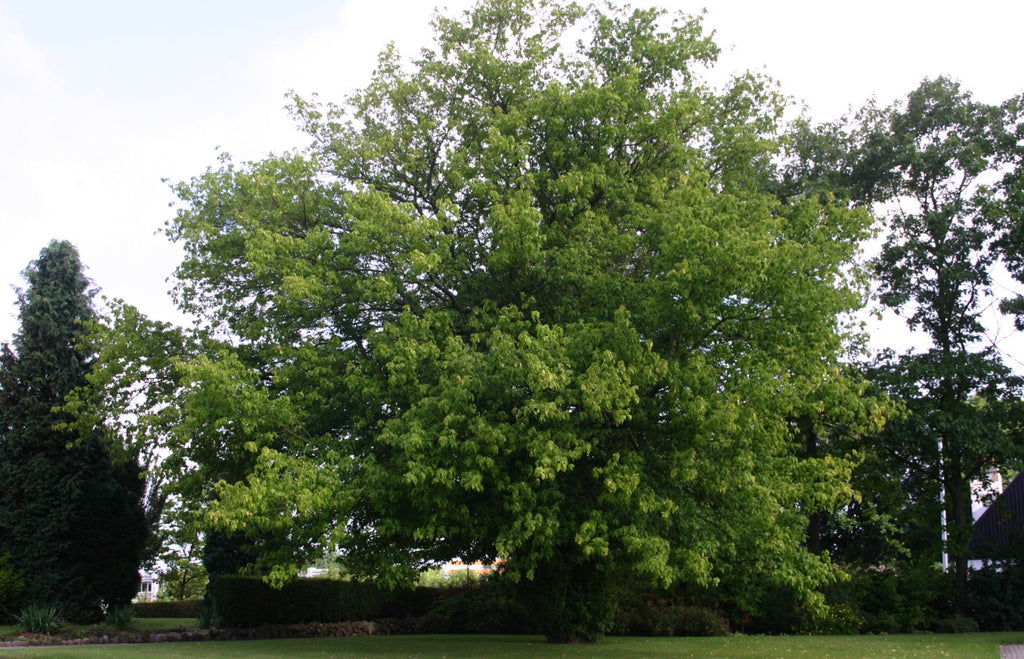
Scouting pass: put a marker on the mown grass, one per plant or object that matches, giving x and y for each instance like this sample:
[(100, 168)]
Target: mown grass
[(916, 646)]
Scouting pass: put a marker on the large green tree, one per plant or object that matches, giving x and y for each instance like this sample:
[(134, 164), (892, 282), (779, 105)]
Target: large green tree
[(526, 298), (931, 165), (71, 514)]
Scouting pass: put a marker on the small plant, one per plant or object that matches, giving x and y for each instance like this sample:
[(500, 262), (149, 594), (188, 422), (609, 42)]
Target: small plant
[(120, 617), (38, 619)]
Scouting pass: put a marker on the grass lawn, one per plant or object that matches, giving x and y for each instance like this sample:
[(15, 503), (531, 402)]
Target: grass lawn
[(913, 646)]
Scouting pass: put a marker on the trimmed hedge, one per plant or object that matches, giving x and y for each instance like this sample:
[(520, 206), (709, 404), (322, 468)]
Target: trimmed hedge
[(251, 602), (177, 609)]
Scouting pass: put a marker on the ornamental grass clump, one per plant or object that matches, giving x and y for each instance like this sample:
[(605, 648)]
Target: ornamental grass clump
[(38, 619), (120, 617)]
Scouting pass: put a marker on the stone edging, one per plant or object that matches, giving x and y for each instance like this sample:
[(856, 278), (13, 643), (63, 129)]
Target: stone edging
[(382, 627)]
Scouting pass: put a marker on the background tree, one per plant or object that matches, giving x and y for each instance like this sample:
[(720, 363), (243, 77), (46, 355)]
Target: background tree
[(527, 300), (142, 371), (71, 515), (931, 166), (180, 566)]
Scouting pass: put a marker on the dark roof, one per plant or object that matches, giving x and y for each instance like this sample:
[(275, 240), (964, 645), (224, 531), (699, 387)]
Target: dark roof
[(1001, 526)]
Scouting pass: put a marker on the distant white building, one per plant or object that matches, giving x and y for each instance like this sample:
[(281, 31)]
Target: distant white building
[(313, 572), (149, 586)]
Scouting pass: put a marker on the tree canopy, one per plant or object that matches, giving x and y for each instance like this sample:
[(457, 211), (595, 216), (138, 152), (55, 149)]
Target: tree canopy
[(532, 297), (939, 168)]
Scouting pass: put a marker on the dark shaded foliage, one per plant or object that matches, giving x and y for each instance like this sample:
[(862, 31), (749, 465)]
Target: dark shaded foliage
[(251, 602), (176, 609), (71, 514)]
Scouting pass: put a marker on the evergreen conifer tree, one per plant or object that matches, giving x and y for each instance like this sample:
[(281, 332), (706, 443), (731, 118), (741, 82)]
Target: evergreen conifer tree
[(71, 516)]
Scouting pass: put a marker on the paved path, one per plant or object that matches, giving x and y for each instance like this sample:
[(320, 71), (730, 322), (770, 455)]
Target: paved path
[(1012, 652)]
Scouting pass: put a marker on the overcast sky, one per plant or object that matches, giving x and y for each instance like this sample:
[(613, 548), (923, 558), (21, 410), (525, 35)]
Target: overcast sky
[(101, 100)]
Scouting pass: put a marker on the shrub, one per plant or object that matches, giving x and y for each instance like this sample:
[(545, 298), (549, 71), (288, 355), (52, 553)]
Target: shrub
[(698, 621), (887, 600), (651, 616), (899, 600), (958, 625), (175, 609), (835, 619), (38, 619), (120, 617), (996, 591), (488, 607)]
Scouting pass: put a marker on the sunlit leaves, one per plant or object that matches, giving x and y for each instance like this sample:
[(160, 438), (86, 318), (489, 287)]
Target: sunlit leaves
[(527, 297)]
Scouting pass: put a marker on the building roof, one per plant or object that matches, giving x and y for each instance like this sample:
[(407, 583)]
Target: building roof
[(1000, 528)]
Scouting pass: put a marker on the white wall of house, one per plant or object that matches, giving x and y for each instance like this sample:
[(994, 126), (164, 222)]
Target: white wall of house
[(149, 586)]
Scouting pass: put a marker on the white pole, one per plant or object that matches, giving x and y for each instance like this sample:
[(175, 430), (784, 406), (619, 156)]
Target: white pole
[(942, 513)]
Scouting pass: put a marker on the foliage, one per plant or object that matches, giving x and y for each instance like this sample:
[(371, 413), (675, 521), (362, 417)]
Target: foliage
[(208, 618), (1009, 202), (650, 615), (936, 266), (129, 396), (525, 299), (932, 167), (71, 514), (175, 609), (958, 625), (180, 568), (837, 619), (436, 578), (569, 603), (39, 619), (889, 600), (487, 607), (250, 602), (996, 591), (12, 585), (120, 617), (182, 582)]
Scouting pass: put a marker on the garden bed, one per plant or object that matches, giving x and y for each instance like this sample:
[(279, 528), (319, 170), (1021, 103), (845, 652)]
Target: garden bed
[(382, 627)]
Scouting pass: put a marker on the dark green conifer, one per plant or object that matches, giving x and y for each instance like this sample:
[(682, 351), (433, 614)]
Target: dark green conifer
[(71, 515)]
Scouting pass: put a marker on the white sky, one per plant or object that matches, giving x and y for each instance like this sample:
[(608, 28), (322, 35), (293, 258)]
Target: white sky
[(100, 100)]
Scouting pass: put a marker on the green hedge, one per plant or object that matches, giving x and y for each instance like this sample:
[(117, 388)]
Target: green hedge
[(250, 602), (178, 609)]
